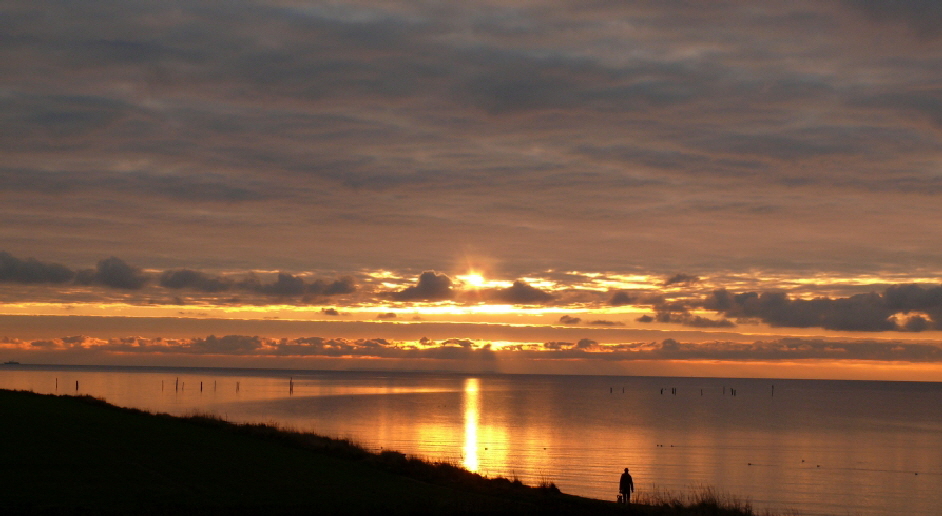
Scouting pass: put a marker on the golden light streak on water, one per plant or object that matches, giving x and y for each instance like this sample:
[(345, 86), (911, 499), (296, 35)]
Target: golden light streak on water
[(472, 407)]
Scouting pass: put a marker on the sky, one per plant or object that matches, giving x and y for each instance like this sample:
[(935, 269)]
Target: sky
[(591, 187)]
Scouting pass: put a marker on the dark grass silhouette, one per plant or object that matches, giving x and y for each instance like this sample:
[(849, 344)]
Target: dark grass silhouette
[(81, 455)]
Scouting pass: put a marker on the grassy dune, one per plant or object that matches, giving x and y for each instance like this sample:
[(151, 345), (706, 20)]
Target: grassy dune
[(80, 455)]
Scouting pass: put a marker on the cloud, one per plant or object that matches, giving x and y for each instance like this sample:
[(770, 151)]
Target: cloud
[(388, 315), (603, 322), (283, 113), (343, 285), (861, 312), (917, 323), (431, 286), (923, 103), (674, 311), (285, 285), (462, 343), (196, 280), (669, 345), (520, 293), (568, 319), (908, 298), (621, 298), (793, 348), (114, 272), (290, 285), (924, 17), (31, 271), (782, 349), (703, 322), (681, 279), (330, 311), (196, 187), (230, 344)]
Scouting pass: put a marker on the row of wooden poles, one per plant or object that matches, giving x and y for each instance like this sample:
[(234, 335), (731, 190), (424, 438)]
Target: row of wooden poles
[(180, 386), (732, 391)]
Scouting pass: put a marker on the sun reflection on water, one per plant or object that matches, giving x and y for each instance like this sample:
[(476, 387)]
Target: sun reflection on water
[(471, 410)]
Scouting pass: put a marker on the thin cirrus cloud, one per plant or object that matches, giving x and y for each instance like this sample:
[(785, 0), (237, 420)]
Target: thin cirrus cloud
[(550, 135), (643, 126)]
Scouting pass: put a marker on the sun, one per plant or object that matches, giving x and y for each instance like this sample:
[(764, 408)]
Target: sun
[(473, 279)]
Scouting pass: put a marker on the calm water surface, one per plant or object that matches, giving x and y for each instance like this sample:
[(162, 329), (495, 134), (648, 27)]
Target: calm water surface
[(818, 447)]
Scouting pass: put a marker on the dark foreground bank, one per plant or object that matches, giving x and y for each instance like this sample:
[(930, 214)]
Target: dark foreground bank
[(80, 455)]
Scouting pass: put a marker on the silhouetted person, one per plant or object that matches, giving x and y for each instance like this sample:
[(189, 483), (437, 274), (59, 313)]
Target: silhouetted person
[(626, 486)]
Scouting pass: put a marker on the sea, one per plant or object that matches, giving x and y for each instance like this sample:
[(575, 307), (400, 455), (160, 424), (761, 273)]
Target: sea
[(808, 447)]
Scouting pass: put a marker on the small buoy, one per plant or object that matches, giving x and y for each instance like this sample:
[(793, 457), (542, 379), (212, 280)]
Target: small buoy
[(749, 464)]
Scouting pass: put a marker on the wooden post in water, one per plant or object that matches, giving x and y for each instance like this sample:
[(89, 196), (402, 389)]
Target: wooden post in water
[(57, 384), (201, 386), (176, 386), (214, 385), (161, 386), (76, 385), (237, 386), (291, 385)]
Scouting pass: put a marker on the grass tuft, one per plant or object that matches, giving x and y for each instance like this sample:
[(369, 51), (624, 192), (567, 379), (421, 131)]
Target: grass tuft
[(697, 501)]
